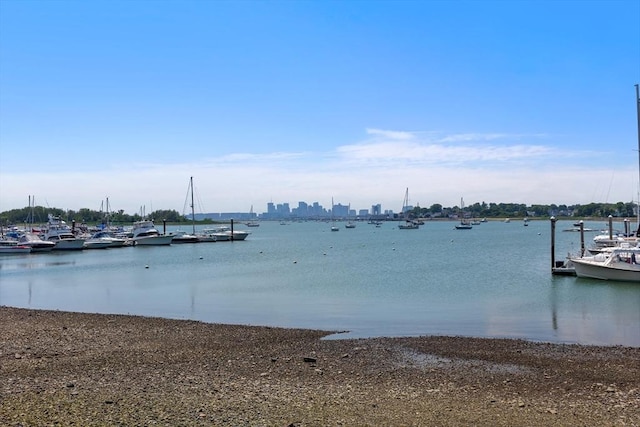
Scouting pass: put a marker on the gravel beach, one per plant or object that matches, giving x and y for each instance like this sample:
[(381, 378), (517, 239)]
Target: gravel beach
[(59, 368)]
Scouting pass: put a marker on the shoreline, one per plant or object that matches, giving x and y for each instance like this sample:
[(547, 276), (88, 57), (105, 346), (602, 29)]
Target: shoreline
[(97, 369)]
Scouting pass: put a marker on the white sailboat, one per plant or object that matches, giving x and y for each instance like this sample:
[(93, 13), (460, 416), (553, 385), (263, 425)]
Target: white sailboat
[(334, 227), (408, 224), (252, 222), (464, 224), (180, 236), (349, 224)]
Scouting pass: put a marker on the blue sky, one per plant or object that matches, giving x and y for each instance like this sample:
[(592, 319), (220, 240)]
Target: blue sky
[(285, 101)]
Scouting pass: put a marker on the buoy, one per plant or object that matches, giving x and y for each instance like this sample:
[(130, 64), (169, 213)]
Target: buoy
[(146, 266), (200, 257)]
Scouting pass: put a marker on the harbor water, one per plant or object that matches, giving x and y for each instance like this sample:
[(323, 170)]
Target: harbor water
[(491, 281)]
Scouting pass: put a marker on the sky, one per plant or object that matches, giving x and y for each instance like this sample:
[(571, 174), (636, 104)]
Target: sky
[(284, 101)]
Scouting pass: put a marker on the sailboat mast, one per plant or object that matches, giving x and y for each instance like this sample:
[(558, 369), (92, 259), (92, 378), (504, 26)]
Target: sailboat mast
[(638, 113), (193, 213)]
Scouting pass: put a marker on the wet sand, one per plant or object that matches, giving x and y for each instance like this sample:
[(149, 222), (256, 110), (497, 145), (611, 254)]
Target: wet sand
[(59, 368)]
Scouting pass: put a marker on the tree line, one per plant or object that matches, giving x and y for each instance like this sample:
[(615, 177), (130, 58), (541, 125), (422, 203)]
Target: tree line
[(518, 210), (40, 215)]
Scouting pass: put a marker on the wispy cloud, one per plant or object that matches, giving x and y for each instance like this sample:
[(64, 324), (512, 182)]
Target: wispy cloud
[(391, 134), (455, 149)]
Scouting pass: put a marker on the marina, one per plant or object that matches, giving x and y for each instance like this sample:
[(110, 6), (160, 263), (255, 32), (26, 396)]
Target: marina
[(494, 281)]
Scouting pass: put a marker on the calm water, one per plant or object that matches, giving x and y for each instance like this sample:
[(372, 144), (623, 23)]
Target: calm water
[(492, 281)]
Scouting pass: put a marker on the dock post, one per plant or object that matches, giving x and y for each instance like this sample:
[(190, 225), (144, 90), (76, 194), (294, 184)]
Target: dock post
[(610, 227), (232, 229), (581, 238), (553, 243), (164, 227)]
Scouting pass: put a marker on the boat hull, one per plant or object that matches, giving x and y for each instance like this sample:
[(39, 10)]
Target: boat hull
[(14, 249), (152, 240), (594, 270), (69, 245), (97, 245)]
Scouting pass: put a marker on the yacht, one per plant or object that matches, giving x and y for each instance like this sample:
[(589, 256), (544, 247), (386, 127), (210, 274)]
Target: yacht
[(223, 233), (59, 232), (35, 242), (12, 247), (110, 238), (621, 263), (146, 234)]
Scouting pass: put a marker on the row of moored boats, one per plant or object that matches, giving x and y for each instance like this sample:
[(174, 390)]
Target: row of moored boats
[(58, 235)]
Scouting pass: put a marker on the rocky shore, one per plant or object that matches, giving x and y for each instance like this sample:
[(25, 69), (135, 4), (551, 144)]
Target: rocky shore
[(59, 368)]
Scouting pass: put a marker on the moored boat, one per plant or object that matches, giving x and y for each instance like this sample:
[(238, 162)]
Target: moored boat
[(12, 247), (183, 237), (146, 234), (223, 233), (59, 232), (110, 238), (35, 242), (618, 264)]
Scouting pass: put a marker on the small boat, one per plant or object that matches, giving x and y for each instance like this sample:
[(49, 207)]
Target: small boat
[(334, 227), (349, 224), (464, 224), (109, 238), (223, 233), (209, 236), (59, 232), (408, 224), (183, 237), (252, 222), (618, 264), (146, 234), (35, 243), (98, 243), (12, 247)]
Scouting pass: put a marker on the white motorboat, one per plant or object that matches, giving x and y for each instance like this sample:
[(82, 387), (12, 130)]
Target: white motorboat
[(408, 225), (223, 231), (108, 237), (59, 232), (146, 234), (180, 236), (12, 247), (96, 243), (35, 243), (619, 264), (208, 235)]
